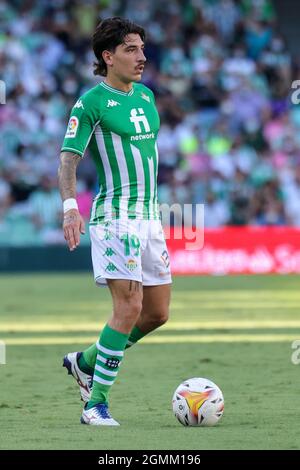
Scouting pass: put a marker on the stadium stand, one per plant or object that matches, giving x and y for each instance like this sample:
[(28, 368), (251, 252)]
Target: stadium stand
[(222, 75)]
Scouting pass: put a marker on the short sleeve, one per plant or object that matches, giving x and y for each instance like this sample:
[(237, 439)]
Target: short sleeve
[(80, 129)]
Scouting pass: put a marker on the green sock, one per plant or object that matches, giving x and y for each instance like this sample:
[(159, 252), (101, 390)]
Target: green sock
[(110, 352), (135, 335), (87, 360)]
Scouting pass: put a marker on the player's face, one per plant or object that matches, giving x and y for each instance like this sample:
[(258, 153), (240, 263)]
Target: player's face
[(127, 62)]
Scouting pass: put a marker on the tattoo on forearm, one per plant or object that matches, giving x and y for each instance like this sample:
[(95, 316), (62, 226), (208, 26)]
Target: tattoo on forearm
[(67, 174)]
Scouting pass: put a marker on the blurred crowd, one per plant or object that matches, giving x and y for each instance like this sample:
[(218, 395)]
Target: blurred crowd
[(222, 76)]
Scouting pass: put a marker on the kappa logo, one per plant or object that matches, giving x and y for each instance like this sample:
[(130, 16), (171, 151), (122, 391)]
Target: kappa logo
[(111, 103), (111, 268), (109, 252), (137, 116), (79, 104), (108, 235)]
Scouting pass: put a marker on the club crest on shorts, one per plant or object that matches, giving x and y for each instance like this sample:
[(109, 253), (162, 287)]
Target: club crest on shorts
[(131, 265)]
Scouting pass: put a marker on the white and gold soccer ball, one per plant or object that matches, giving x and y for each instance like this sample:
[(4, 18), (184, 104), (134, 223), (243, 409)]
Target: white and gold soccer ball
[(198, 402)]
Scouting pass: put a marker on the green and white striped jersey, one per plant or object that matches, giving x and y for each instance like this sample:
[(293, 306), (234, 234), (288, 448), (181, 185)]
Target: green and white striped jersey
[(120, 130)]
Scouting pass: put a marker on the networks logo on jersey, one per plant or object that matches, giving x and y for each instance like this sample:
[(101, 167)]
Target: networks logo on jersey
[(72, 127), (138, 118)]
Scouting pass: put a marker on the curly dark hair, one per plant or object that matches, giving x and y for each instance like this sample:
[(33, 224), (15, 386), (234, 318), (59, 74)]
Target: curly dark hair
[(109, 34)]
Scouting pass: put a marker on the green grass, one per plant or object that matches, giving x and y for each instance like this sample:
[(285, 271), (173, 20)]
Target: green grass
[(237, 331)]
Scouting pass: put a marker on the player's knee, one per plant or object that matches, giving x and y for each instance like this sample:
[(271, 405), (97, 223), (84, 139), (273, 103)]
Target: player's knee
[(161, 318), (130, 306), (135, 307)]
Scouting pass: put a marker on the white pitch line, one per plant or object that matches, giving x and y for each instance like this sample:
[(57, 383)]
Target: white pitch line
[(170, 326), (280, 338)]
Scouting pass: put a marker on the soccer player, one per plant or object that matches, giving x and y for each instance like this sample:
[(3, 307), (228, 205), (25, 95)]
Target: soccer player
[(118, 121)]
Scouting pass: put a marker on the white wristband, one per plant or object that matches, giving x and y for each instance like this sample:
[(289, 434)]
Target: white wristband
[(70, 203)]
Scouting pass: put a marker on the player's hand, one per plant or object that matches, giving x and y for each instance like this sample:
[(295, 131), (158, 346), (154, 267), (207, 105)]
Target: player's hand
[(73, 226)]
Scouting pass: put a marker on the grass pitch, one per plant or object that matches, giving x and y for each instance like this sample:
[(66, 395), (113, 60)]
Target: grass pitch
[(236, 331)]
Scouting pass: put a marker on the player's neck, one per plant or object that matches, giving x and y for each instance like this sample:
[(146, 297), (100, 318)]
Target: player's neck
[(118, 84)]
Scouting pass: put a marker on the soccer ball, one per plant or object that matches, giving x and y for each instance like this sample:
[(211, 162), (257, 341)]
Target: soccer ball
[(198, 402)]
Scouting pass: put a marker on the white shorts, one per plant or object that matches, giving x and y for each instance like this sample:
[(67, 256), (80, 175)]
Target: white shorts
[(130, 249)]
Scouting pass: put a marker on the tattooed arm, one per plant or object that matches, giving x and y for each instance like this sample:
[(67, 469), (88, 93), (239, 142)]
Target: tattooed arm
[(73, 223)]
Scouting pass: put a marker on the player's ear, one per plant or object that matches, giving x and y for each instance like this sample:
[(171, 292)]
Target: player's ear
[(107, 57)]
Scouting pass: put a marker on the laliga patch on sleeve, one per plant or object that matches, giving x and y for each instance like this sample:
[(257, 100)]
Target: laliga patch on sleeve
[(72, 127)]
